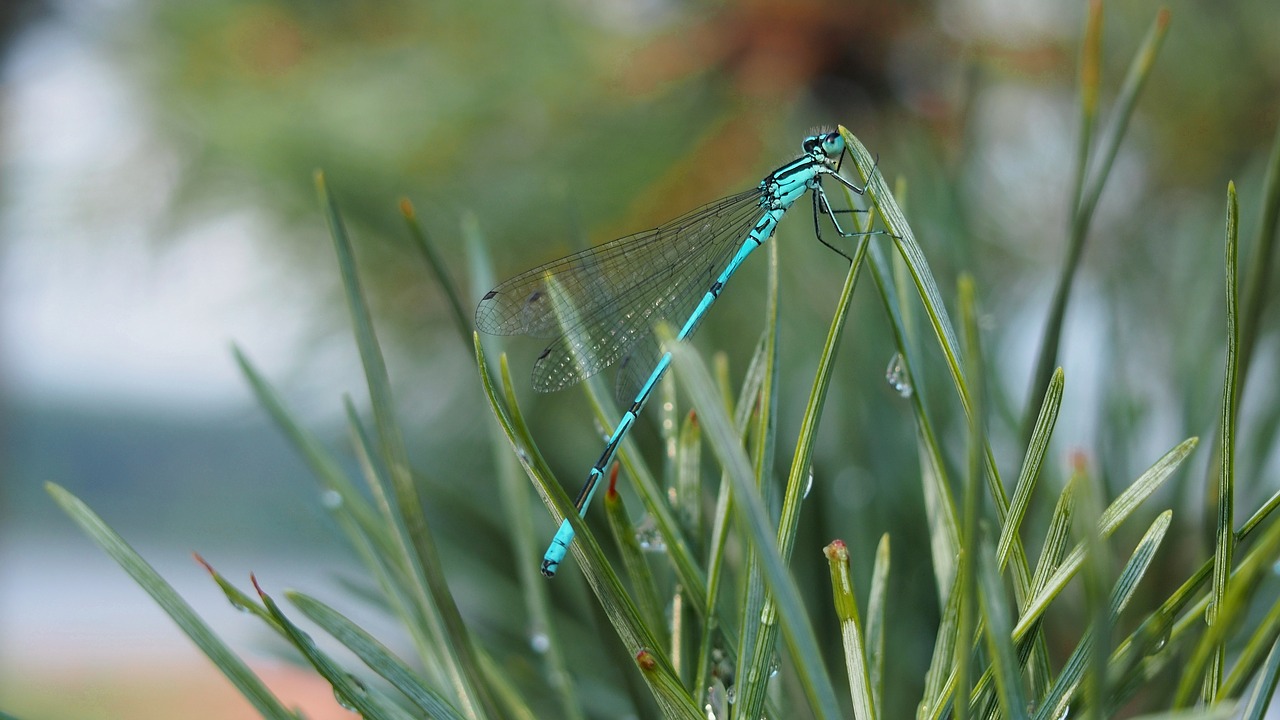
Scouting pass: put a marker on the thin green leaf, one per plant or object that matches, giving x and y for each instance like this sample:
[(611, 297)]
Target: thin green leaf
[(1257, 287), (1116, 512), (1082, 214), (614, 600), (1037, 446), (788, 605), (753, 682), (855, 653), (1263, 638), (643, 589), (375, 655), (1260, 698), (968, 576), (1061, 694), (1224, 547), (876, 630), (416, 542), (939, 681), (230, 664), (349, 690), (461, 318), (998, 621)]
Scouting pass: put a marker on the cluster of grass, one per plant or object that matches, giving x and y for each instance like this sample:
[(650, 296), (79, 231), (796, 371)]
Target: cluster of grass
[(703, 620)]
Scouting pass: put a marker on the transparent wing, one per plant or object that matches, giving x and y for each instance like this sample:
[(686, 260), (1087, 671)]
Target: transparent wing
[(598, 303)]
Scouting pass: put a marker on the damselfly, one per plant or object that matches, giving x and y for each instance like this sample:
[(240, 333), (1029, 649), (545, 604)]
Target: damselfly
[(600, 305)]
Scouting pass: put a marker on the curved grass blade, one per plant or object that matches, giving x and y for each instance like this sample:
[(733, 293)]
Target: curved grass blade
[(1120, 509), (876, 630), (416, 544), (749, 506), (1068, 681), (643, 588), (1264, 637), (927, 287), (944, 528), (436, 261), (614, 600), (996, 617), (244, 680), (753, 683), (1257, 287), (1224, 548), (1082, 214), (855, 652), (376, 655), (1256, 706), (349, 690), (1036, 448)]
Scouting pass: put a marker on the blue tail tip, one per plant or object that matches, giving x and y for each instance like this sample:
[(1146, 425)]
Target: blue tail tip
[(549, 567)]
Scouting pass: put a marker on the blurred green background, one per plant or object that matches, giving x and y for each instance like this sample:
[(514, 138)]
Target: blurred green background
[(157, 205)]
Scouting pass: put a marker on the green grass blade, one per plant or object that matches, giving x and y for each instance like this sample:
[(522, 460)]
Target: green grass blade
[(244, 680), (1224, 547), (940, 509), (376, 655), (927, 287), (1036, 449), (1257, 287), (753, 683), (788, 606), (640, 640), (1082, 214), (1120, 509), (1264, 637), (998, 621), (939, 681), (968, 576), (876, 630), (350, 691), (461, 318), (1255, 707), (1230, 611), (320, 461), (1061, 694), (416, 542), (855, 652), (643, 589)]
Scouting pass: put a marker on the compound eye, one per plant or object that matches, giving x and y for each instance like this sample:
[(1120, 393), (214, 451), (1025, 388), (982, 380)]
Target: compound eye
[(811, 143), (833, 144)]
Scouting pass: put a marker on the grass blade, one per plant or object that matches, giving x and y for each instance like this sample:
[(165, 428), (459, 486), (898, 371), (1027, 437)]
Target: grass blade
[(749, 506), (376, 656), (244, 680), (855, 653), (1082, 214), (1260, 699), (1224, 547), (635, 635), (416, 542), (461, 318), (876, 631)]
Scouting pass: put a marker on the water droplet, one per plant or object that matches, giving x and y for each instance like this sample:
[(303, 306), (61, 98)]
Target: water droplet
[(239, 605), (540, 642), (808, 485), (331, 499), (648, 537), (343, 701), (896, 375), (731, 694), (1065, 712), (775, 664)]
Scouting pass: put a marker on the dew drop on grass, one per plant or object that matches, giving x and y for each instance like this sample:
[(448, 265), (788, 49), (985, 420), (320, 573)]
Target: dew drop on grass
[(540, 642), (808, 485), (896, 375), (648, 537), (331, 499)]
